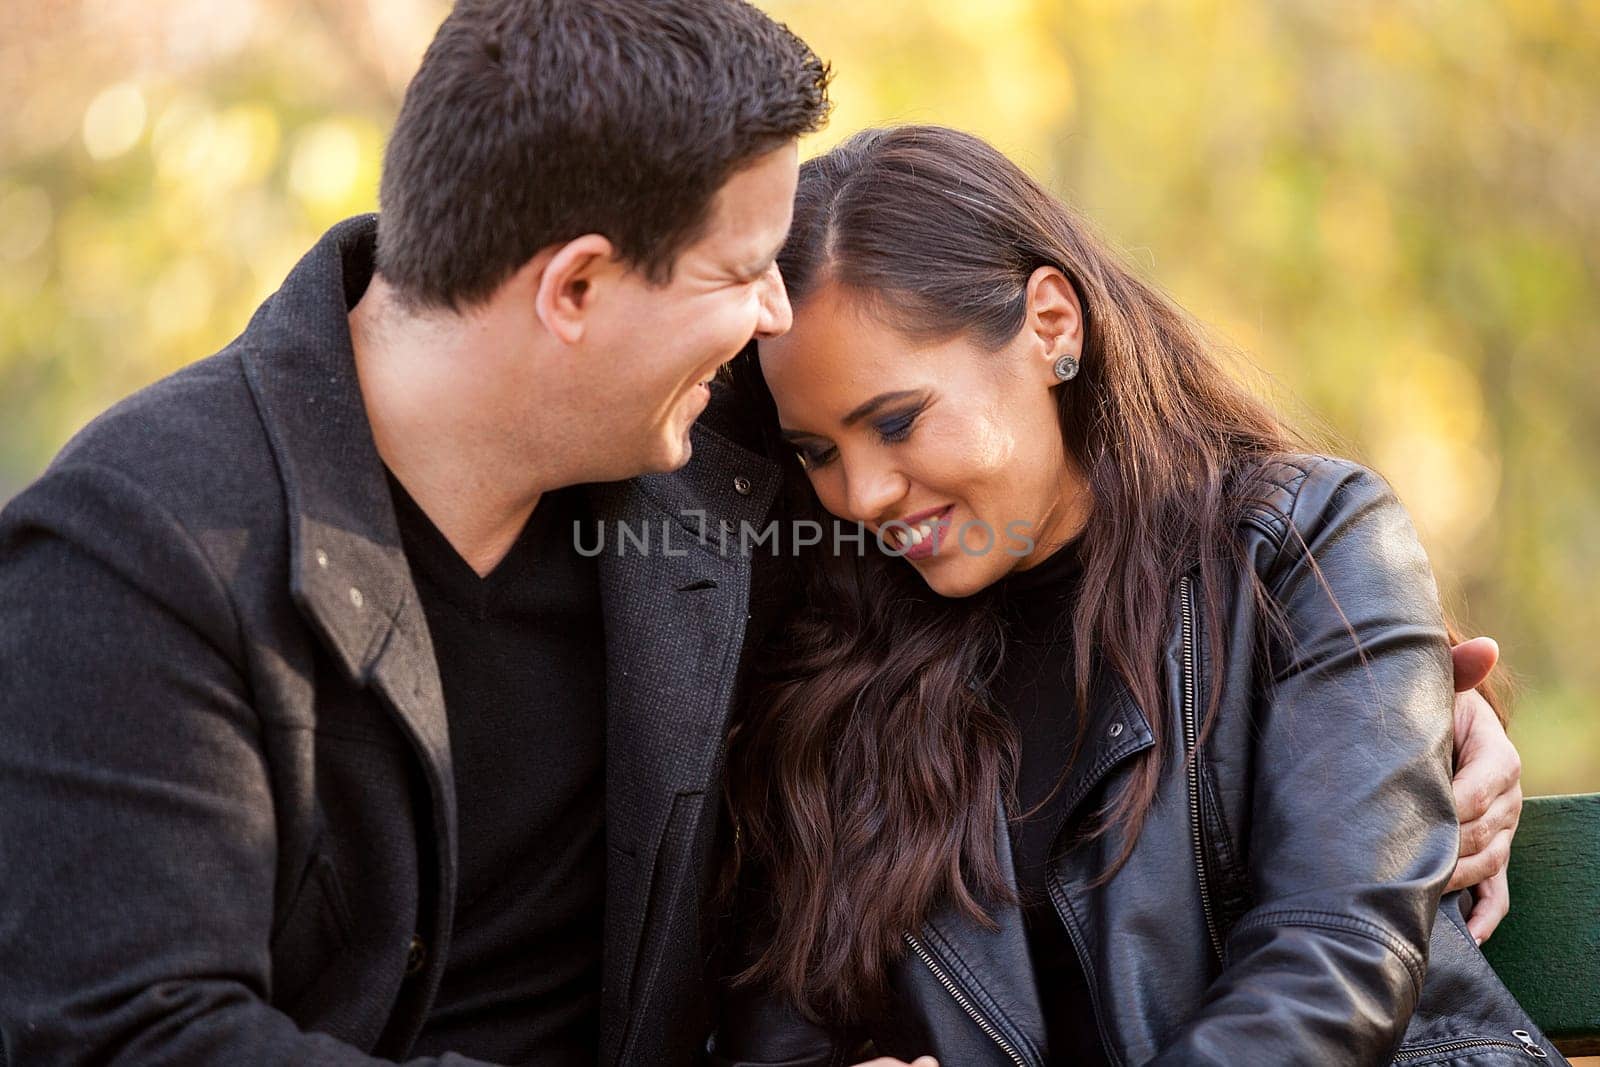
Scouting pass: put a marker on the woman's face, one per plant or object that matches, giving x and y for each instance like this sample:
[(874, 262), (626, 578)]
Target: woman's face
[(961, 444)]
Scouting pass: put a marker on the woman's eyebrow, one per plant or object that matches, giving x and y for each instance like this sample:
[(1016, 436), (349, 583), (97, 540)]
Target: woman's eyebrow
[(860, 412), (863, 410)]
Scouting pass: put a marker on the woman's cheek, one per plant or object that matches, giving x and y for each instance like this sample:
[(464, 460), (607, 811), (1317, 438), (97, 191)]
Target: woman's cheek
[(994, 447), (829, 492)]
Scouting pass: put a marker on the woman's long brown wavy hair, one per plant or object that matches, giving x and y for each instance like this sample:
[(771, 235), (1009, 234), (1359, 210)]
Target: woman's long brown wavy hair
[(866, 776)]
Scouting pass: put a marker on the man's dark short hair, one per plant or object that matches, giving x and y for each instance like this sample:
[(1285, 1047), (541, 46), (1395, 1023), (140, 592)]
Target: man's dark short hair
[(532, 122)]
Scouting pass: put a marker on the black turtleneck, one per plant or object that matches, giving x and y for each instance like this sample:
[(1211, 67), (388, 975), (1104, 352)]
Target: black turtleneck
[(1035, 689)]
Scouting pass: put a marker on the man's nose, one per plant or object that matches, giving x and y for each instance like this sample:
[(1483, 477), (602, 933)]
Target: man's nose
[(776, 314)]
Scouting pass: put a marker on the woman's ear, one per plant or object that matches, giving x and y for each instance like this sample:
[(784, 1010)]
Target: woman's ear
[(1055, 318), (565, 291)]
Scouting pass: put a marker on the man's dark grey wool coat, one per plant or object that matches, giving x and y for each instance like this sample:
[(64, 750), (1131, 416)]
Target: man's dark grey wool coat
[(227, 816)]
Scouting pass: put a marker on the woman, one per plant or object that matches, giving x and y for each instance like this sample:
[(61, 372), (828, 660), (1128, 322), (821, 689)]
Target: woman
[(1139, 751)]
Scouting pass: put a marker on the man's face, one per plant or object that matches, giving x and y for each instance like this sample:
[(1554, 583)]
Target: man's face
[(664, 343)]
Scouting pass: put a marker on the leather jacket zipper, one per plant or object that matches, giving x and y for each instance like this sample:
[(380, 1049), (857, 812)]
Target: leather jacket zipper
[(1426, 1051), (1191, 745), (965, 1001)]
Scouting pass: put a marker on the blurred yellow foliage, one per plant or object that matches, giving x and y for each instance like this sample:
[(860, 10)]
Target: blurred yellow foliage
[(1391, 205)]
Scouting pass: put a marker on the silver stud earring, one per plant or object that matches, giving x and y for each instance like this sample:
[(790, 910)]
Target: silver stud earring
[(1067, 368)]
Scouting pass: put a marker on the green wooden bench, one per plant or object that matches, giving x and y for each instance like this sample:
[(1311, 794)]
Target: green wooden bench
[(1548, 949)]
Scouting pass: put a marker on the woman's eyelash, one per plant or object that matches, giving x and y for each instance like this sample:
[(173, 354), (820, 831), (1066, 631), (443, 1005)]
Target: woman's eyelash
[(810, 461), (899, 427), (889, 431)]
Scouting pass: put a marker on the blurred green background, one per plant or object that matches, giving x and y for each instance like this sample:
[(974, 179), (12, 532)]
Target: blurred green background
[(1393, 208)]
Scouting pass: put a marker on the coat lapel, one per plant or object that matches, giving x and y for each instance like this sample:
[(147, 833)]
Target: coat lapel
[(348, 572), (675, 614), (986, 956), (1116, 730), (348, 569)]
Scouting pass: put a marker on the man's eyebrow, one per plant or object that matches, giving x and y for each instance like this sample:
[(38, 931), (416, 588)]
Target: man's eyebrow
[(875, 403), (753, 273)]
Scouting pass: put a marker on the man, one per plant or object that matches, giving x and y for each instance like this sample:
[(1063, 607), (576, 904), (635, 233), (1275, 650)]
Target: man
[(239, 824), (319, 747)]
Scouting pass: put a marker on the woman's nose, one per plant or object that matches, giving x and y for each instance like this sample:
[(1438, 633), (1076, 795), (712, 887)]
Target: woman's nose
[(872, 491)]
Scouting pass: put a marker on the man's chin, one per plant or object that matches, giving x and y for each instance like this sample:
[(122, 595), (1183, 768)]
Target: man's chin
[(685, 454), (673, 455)]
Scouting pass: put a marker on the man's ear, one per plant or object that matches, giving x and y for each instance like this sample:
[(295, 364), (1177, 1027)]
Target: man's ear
[(566, 286), (1055, 317)]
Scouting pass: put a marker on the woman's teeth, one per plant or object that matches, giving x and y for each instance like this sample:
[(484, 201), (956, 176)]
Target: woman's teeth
[(916, 534)]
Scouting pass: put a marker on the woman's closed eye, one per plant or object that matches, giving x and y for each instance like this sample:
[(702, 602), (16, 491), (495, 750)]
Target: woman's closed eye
[(812, 458), (890, 430), (896, 428)]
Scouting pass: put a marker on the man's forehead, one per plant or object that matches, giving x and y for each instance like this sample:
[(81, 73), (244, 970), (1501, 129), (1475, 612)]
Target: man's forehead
[(760, 195), (749, 246)]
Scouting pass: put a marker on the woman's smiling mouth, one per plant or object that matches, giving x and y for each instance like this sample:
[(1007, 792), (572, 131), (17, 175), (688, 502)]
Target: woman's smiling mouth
[(918, 536)]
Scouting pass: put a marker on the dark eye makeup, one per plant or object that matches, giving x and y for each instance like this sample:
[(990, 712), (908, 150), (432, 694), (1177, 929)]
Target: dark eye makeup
[(897, 427), (810, 459), (891, 429)]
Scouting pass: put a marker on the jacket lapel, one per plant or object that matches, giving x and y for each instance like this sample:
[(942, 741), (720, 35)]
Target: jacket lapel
[(985, 960), (348, 572), (674, 614), (1116, 730), (987, 957)]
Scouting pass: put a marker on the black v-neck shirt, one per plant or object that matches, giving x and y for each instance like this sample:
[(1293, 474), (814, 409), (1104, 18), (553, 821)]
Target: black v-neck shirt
[(522, 662), (1035, 688)]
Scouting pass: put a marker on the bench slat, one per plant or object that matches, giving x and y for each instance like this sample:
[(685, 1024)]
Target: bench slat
[(1547, 950)]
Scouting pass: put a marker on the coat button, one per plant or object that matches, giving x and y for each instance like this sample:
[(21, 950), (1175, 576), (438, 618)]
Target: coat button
[(356, 598), (416, 956), (741, 485), (1116, 729)]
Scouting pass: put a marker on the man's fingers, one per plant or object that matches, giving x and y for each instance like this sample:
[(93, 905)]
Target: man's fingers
[(1488, 796), (1481, 782), (1470, 870), (1492, 901), (890, 1061), (1504, 814), (1473, 660)]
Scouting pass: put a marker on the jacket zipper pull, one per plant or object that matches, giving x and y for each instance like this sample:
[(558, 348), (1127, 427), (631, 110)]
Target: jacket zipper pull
[(1529, 1045)]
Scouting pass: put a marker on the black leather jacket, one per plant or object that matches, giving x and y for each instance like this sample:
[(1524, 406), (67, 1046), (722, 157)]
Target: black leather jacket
[(1282, 904)]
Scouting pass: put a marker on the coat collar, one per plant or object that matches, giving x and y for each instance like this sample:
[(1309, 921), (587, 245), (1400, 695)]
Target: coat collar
[(1117, 729), (348, 571)]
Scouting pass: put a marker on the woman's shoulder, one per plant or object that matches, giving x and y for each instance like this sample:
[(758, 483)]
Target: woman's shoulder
[(1301, 491), (1298, 512)]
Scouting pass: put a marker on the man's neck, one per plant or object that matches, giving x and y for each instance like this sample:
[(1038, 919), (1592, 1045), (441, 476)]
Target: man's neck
[(444, 426)]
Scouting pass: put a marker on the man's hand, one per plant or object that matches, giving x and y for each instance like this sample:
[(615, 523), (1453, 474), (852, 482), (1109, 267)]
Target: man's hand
[(1488, 790), (889, 1061)]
